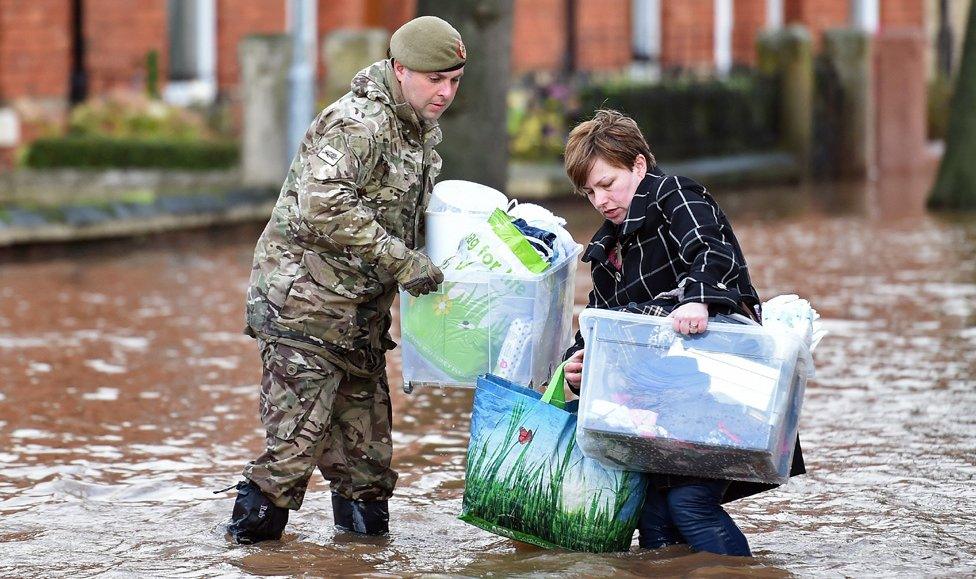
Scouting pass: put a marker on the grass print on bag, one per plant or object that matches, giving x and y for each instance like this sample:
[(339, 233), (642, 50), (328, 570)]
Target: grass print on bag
[(526, 479)]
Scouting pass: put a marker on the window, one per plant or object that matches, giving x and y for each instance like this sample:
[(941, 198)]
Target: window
[(774, 14), (192, 29), (646, 24), (723, 36), (646, 34)]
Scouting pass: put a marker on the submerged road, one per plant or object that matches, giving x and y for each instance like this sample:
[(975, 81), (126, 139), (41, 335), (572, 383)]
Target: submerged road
[(128, 394)]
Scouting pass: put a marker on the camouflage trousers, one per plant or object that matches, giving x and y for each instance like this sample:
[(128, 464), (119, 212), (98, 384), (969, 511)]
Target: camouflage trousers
[(317, 415)]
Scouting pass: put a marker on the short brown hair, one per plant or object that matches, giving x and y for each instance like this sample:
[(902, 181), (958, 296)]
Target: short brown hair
[(609, 135)]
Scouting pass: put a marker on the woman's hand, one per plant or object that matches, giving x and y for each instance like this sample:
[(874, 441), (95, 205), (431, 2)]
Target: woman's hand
[(574, 370), (690, 318)]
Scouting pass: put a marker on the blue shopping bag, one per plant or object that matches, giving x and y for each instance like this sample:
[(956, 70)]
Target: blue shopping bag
[(526, 479)]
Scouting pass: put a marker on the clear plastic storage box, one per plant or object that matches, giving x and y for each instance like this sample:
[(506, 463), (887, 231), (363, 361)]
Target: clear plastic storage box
[(477, 322), (722, 404)]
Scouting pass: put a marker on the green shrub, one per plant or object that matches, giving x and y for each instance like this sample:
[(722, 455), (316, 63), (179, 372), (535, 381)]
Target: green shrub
[(152, 74), (685, 118), (132, 115), (103, 152), (536, 123)]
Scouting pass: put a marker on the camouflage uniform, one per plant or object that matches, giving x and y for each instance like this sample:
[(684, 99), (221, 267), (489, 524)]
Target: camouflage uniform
[(317, 415), (319, 301)]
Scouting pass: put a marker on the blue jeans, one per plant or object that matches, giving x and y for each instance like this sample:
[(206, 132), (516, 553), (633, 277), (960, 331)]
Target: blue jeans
[(691, 514)]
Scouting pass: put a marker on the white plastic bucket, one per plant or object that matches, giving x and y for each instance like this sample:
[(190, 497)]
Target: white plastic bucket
[(456, 208), (465, 197)]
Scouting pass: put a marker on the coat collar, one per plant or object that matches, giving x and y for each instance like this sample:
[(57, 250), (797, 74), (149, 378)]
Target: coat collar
[(645, 195), (610, 233), (403, 109), (378, 82)]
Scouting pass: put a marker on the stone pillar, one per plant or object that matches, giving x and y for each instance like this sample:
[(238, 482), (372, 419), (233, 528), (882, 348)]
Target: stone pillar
[(346, 52), (264, 62), (848, 53), (901, 99), (787, 53)]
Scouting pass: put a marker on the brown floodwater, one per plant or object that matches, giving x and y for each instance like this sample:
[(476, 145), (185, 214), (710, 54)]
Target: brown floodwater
[(128, 394)]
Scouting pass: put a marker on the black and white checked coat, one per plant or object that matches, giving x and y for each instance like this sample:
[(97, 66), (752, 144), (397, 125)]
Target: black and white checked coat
[(675, 246)]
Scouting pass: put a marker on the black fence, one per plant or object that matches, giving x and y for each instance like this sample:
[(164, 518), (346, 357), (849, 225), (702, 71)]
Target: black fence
[(691, 118)]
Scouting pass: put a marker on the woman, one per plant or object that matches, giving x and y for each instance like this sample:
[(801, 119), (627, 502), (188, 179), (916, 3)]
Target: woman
[(665, 248)]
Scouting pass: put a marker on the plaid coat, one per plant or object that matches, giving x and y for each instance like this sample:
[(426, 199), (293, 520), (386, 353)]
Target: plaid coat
[(675, 246)]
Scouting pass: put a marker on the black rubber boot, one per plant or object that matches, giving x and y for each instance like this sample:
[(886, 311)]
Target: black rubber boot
[(364, 517), (255, 517)]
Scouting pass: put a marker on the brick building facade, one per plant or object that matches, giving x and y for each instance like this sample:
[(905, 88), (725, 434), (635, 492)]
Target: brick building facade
[(34, 47), (48, 47)]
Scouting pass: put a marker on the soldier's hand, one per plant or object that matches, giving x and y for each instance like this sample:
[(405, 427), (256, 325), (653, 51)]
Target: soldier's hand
[(413, 270), (417, 274)]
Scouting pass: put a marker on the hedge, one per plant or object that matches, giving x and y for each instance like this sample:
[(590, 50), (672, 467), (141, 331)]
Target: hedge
[(104, 152), (684, 119)]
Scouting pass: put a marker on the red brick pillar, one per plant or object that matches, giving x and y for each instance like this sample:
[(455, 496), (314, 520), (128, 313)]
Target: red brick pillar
[(119, 34), (748, 20), (538, 35), (235, 20), (687, 34), (603, 34), (901, 99), (35, 49)]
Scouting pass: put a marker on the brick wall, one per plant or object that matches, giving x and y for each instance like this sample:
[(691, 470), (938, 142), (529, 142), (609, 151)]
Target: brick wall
[(35, 42), (603, 34), (748, 21), (335, 14), (902, 13), (687, 33), (35, 34), (538, 35), (118, 36), (35, 48), (235, 20), (390, 14)]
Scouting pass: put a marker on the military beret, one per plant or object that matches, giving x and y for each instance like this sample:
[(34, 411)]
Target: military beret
[(428, 44)]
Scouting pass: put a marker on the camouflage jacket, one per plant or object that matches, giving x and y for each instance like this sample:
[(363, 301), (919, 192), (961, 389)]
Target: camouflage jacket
[(357, 188)]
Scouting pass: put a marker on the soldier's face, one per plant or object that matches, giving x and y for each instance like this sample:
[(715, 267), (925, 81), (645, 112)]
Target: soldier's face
[(429, 93)]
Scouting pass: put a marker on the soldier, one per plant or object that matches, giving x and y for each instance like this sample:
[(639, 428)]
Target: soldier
[(342, 237)]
